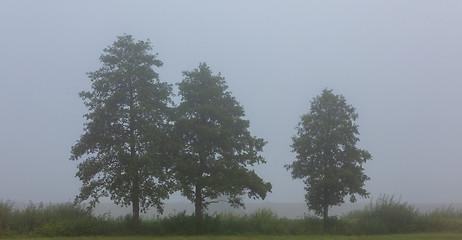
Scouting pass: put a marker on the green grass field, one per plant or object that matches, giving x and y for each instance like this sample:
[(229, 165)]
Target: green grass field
[(426, 236)]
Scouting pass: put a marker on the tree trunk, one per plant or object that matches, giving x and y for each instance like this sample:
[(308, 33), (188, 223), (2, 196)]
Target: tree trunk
[(136, 211), (325, 217), (135, 191), (133, 168), (325, 213), (135, 197), (135, 203), (198, 200), (198, 208)]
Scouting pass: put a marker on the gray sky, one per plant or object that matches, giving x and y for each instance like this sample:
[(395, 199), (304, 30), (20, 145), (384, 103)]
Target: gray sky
[(398, 62)]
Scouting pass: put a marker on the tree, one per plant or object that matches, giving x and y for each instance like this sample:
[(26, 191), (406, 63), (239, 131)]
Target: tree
[(125, 137), (216, 144), (327, 157)]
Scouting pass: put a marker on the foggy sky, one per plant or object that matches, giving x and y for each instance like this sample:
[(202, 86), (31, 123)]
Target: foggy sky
[(399, 63)]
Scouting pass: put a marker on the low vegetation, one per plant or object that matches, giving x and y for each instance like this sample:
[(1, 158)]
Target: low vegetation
[(420, 236), (384, 216), (49, 220), (389, 216)]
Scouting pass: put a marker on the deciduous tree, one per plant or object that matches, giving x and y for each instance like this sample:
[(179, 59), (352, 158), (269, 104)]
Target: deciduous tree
[(125, 138), (216, 144), (327, 157)]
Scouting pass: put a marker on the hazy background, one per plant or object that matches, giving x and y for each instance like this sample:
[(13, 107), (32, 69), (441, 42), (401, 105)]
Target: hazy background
[(398, 62)]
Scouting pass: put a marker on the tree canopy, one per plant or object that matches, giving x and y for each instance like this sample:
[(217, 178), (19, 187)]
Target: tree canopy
[(125, 140), (216, 144), (327, 157)]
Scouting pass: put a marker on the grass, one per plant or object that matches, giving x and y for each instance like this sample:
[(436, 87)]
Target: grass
[(421, 236), (384, 217)]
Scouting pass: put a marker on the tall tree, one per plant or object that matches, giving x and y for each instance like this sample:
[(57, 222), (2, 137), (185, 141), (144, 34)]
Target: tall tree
[(216, 144), (124, 144), (327, 157)]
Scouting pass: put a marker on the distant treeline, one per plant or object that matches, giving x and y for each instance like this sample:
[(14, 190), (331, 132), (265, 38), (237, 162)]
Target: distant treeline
[(385, 216)]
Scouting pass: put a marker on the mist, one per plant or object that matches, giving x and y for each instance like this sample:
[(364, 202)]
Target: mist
[(397, 62)]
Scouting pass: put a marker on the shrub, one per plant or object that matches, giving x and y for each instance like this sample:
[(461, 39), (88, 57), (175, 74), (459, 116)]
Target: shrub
[(30, 218), (73, 227), (6, 215), (264, 221), (180, 223), (233, 224), (442, 220), (448, 213), (386, 216), (34, 217), (49, 220), (313, 225)]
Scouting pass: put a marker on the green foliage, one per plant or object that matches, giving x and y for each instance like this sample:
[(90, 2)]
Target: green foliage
[(311, 225), (387, 216), (419, 236), (49, 220), (80, 226), (6, 210), (180, 223), (125, 143), (32, 217), (6, 217), (264, 221), (216, 145), (327, 157), (232, 224), (442, 220), (446, 212)]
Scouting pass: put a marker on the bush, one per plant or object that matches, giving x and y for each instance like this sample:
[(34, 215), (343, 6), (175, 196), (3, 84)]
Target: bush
[(180, 223), (51, 220), (313, 225), (73, 227), (6, 215), (264, 221), (448, 213), (233, 224), (386, 216), (442, 220), (35, 217)]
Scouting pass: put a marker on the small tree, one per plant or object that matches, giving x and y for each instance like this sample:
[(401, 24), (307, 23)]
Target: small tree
[(126, 133), (216, 144), (327, 157)]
